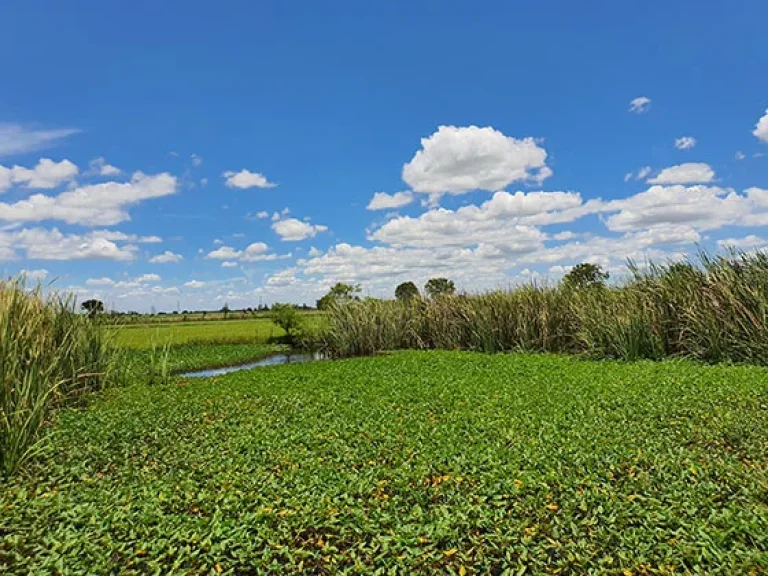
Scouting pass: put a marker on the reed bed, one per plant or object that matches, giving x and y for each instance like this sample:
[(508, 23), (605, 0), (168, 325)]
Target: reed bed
[(714, 309), (49, 356)]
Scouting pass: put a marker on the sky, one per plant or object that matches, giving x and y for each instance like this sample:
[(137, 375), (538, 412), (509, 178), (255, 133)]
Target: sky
[(189, 154)]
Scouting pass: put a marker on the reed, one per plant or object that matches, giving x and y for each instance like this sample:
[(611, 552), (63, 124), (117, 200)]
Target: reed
[(49, 356), (714, 309)]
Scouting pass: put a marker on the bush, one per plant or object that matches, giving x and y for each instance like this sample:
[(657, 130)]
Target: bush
[(49, 356)]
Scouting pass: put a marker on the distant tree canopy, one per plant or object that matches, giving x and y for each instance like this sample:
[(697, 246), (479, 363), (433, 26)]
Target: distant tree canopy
[(93, 306), (585, 275), (406, 291), (436, 287), (339, 294), (287, 317)]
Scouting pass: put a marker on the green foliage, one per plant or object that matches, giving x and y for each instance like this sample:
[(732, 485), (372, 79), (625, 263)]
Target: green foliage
[(417, 463), (49, 356), (436, 287), (288, 318), (339, 294), (717, 311), (93, 307), (585, 275), (407, 291)]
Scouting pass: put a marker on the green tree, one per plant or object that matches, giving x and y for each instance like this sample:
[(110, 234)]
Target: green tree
[(406, 291), (436, 287), (288, 318), (93, 307), (585, 275), (225, 310), (339, 294)]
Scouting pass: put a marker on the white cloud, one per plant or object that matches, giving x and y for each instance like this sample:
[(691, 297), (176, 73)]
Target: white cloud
[(166, 257), (384, 201), (104, 281), (746, 243), (640, 104), (701, 207), (18, 139), (246, 179), (218, 242), (45, 175), (761, 128), (263, 214), (34, 275), (688, 173), (293, 230), (194, 284), (228, 264), (685, 142), (144, 278), (224, 253), (255, 252), (101, 204), (100, 167), (628, 176), (740, 156), (196, 160), (455, 160), (43, 244), (643, 172)]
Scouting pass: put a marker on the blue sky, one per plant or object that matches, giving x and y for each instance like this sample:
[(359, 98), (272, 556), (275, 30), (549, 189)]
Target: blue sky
[(198, 153)]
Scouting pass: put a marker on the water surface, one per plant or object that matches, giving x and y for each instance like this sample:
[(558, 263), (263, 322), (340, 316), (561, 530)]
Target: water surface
[(274, 360)]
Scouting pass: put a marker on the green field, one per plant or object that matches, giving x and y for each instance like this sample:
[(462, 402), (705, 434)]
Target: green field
[(258, 330), (444, 462)]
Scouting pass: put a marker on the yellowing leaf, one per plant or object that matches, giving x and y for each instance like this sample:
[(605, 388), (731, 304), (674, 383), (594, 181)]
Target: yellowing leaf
[(218, 569), (451, 552), (462, 571)]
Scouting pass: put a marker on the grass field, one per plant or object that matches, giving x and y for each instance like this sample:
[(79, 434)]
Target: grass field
[(258, 330), (443, 462)]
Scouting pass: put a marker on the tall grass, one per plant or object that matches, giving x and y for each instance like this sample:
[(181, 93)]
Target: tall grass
[(714, 310), (49, 356)]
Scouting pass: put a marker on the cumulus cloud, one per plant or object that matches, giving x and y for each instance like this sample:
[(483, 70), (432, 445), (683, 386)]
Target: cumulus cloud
[(688, 173), (144, 278), (640, 104), (749, 242), (43, 244), (101, 204), (19, 139), (455, 160), (45, 175), (246, 179), (228, 264), (34, 275), (384, 201), (194, 284), (685, 142), (166, 257), (224, 253), (761, 128), (293, 230), (100, 167), (103, 281)]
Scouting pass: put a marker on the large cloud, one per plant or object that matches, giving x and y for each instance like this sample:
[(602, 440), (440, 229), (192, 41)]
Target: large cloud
[(45, 175), (688, 173), (43, 244), (293, 230), (101, 204), (455, 160)]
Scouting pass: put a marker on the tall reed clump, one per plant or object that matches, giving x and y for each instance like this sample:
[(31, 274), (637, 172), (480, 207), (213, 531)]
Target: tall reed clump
[(49, 356), (714, 310)]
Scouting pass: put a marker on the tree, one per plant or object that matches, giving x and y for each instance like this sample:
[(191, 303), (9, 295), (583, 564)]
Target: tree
[(93, 307), (339, 294), (287, 317), (225, 310), (436, 287), (585, 275), (406, 291)]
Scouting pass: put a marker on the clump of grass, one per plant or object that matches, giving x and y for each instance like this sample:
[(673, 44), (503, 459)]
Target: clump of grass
[(715, 310), (49, 356)]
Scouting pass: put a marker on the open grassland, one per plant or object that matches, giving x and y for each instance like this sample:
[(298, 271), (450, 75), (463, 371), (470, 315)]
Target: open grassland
[(259, 330), (445, 462)]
